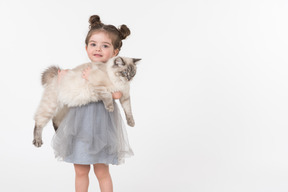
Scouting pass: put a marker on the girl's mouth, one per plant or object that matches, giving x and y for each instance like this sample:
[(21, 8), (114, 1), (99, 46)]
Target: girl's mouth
[(97, 55)]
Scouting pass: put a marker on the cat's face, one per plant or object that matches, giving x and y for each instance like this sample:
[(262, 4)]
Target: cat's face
[(125, 67)]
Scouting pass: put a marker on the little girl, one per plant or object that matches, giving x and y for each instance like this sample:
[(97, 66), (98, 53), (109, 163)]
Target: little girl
[(90, 134)]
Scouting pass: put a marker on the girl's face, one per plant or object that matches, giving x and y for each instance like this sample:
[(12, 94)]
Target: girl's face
[(100, 48)]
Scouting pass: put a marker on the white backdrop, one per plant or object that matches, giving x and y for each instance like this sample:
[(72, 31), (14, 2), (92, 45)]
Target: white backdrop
[(209, 98)]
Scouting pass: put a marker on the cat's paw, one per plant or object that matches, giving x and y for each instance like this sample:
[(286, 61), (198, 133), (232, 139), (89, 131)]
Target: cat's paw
[(110, 108), (130, 122), (37, 142)]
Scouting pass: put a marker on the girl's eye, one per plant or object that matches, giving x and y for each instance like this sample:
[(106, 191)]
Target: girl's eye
[(93, 44), (105, 46)]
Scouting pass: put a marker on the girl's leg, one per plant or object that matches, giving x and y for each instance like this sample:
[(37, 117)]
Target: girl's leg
[(82, 177), (103, 176)]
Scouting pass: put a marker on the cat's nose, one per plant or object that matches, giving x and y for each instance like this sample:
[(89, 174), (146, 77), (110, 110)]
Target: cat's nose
[(130, 75)]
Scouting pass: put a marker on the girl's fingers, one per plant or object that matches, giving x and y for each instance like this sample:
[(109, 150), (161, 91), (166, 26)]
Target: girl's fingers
[(85, 73), (61, 73), (117, 95)]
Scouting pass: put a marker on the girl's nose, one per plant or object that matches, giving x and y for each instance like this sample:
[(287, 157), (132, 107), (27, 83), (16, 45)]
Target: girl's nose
[(98, 48)]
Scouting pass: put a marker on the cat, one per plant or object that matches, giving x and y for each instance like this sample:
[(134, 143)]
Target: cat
[(73, 90)]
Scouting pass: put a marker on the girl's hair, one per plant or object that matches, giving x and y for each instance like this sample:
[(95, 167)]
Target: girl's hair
[(116, 35)]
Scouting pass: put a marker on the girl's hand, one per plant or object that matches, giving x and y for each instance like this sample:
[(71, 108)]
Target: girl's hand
[(85, 73), (61, 74), (116, 95)]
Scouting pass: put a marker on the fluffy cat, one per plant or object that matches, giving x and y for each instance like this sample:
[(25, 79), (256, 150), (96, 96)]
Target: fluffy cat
[(73, 90)]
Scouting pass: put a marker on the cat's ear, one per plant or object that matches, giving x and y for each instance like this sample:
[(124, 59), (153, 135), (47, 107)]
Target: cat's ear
[(136, 60), (119, 61)]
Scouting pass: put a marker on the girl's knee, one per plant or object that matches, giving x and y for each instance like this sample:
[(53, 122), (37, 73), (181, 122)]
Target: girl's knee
[(101, 171), (81, 170)]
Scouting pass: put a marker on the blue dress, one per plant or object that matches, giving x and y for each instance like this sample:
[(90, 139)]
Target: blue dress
[(90, 134)]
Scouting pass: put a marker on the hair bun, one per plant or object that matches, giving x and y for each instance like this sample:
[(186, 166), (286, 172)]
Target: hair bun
[(95, 21), (124, 31)]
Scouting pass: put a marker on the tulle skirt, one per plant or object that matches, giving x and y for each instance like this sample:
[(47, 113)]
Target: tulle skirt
[(90, 134)]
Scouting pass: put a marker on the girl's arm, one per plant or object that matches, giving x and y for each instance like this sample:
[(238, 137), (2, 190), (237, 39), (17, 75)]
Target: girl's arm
[(85, 75)]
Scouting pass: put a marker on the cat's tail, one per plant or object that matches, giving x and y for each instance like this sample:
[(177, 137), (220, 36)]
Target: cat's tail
[(49, 74)]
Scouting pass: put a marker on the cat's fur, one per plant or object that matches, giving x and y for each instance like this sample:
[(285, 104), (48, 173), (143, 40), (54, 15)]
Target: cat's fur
[(73, 90)]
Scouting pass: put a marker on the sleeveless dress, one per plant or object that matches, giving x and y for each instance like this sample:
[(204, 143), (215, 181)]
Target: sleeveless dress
[(90, 134)]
